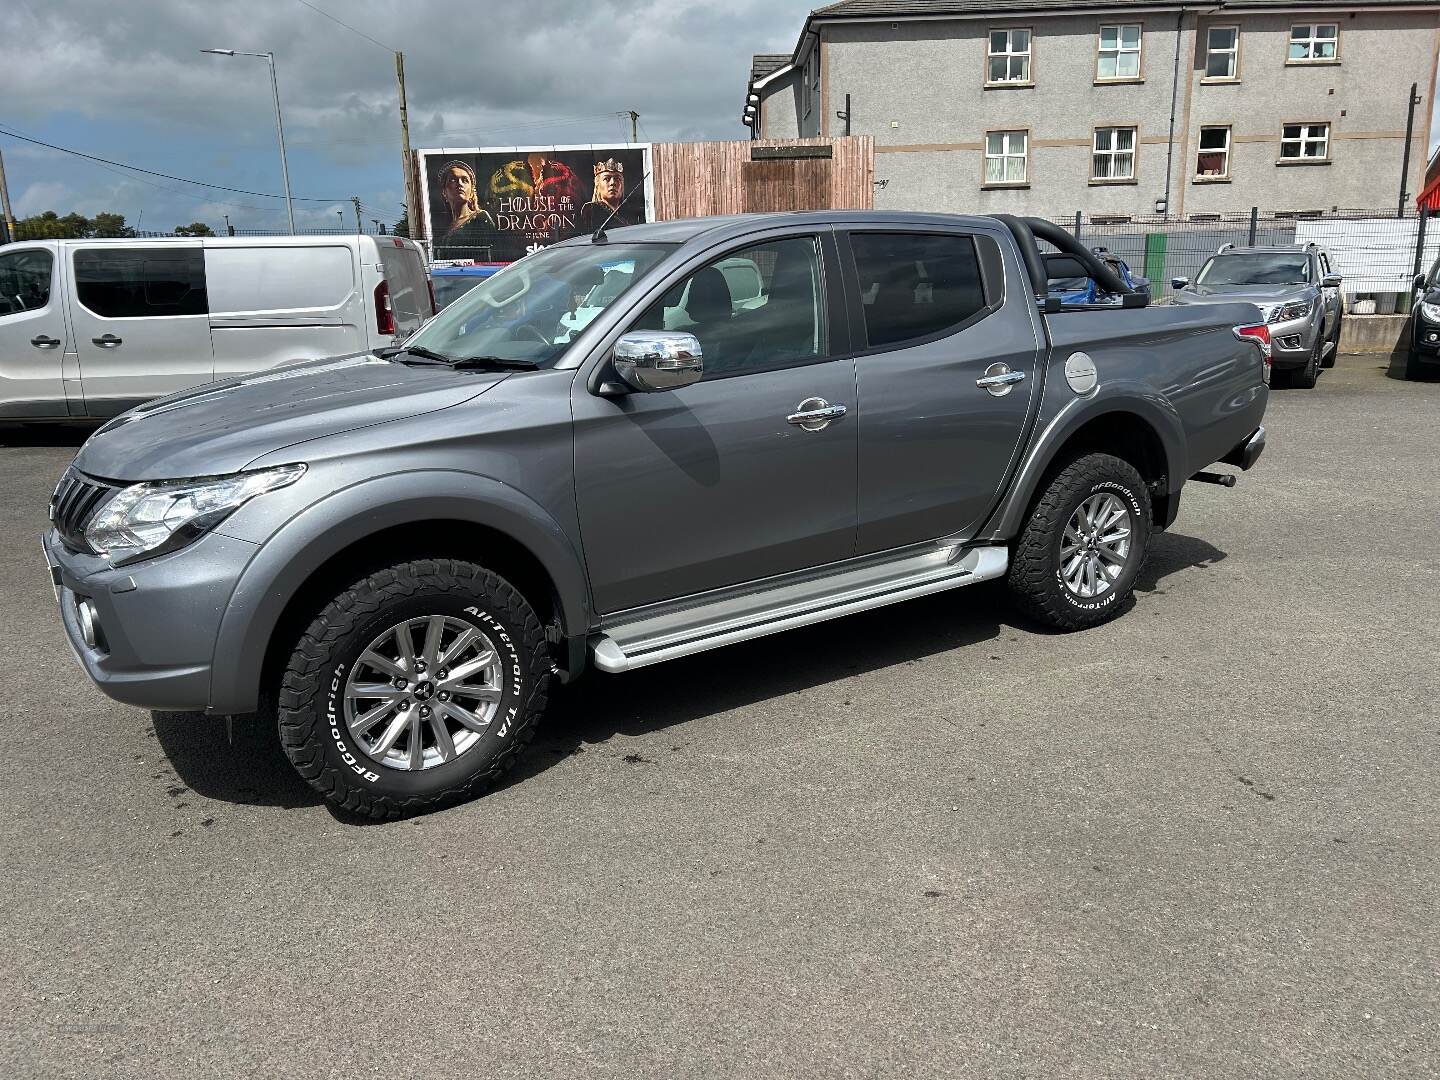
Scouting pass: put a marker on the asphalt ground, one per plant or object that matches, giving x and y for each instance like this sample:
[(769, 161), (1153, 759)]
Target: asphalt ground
[(930, 841)]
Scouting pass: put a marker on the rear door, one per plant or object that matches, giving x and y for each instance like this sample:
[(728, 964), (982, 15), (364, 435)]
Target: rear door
[(141, 321), (33, 337), (408, 283), (934, 317)]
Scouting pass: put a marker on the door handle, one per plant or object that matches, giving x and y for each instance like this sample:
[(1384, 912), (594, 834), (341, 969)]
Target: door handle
[(109, 341), (42, 342), (998, 379), (815, 414)]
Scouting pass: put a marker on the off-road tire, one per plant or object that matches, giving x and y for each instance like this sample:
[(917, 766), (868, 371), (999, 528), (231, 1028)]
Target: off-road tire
[(1306, 377), (1035, 578), (313, 730)]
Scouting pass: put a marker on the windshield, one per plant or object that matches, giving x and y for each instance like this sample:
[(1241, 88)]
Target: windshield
[(1260, 268), (534, 308)]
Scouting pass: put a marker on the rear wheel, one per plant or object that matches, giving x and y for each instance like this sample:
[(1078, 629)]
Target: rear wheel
[(415, 688), (1084, 544)]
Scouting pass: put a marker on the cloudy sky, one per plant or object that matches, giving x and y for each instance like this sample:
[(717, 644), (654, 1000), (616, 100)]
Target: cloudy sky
[(125, 80)]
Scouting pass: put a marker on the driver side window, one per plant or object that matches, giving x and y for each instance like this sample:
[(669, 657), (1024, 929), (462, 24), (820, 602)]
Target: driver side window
[(756, 309), (25, 281)]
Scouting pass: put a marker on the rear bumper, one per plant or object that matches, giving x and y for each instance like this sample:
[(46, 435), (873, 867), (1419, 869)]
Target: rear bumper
[(1248, 452)]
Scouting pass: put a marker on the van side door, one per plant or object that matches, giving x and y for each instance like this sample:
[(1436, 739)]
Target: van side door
[(946, 371), (33, 335), (141, 320)]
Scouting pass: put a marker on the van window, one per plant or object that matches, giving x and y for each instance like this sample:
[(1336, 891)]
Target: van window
[(141, 283), (241, 279), (915, 285), (409, 284), (24, 280)]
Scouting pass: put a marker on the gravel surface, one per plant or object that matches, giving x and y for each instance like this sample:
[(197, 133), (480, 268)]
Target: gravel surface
[(931, 841)]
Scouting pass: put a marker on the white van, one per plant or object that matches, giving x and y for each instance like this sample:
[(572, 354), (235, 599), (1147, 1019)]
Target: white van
[(89, 328)]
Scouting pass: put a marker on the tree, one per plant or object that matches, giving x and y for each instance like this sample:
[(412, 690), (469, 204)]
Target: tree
[(195, 228), (107, 224), (402, 227)]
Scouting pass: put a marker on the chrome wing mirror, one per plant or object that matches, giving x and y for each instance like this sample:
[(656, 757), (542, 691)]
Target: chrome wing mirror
[(649, 361)]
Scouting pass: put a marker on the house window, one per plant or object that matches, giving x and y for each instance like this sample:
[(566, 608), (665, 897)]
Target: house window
[(1313, 41), (1005, 157), (1304, 142), (1008, 60), (1119, 52), (806, 79), (1222, 52), (1114, 154), (1214, 157)]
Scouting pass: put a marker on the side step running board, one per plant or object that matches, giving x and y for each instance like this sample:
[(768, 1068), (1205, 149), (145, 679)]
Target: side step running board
[(734, 617)]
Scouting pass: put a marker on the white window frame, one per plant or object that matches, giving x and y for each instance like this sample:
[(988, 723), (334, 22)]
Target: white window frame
[(1306, 137), (1311, 40), (1199, 150), (1010, 53), (1112, 152), (1233, 52), (1007, 154), (1120, 50)]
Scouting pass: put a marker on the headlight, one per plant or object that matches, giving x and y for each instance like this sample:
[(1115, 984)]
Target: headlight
[(1295, 309), (149, 519), (1430, 311)]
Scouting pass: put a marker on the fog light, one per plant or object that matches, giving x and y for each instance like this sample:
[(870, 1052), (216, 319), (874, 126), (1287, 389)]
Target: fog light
[(89, 623), (1432, 336)]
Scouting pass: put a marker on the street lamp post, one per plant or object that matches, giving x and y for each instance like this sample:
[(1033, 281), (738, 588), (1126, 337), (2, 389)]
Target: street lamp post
[(279, 124)]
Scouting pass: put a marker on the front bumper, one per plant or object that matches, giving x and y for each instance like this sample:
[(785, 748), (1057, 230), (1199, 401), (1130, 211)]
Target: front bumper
[(1292, 342), (146, 633), (1425, 336)]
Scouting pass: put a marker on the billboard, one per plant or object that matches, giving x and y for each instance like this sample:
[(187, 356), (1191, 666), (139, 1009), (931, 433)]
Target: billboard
[(496, 204)]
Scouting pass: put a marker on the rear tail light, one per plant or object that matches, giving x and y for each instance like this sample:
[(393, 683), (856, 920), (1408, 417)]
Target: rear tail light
[(1259, 334), (385, 314), (434, 307)]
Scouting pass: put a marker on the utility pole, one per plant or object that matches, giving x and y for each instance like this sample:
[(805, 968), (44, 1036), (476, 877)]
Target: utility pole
[(1409, 131), (9, 230), (355, 200), (634, 123), (412, 204)]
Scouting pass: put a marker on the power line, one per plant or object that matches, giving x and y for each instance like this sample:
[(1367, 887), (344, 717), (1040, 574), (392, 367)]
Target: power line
[(163, 176), (346, 25)]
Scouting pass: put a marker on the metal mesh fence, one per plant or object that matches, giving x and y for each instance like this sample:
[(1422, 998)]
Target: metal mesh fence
[(1376, 253)]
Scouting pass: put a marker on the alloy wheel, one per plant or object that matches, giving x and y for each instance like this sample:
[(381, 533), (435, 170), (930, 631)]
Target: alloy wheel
[(423, 692), (1096, 545)]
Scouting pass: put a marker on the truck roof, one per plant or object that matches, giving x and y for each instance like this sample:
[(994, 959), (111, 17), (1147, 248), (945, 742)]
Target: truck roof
[(684, 229)]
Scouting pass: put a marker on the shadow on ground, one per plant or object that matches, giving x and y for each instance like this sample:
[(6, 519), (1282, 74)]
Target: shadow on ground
[(252, 769), (62, 434)]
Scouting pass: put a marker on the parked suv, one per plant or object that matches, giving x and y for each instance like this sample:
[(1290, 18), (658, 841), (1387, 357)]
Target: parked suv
[(1300, 297), (1423, 355), (395, 553)]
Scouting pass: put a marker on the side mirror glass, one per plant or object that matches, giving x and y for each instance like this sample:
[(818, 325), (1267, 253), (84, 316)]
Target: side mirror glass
[(1179, 282), (1330, 281), (650, 361)]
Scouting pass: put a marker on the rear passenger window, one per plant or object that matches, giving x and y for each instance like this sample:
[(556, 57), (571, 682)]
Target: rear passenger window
[(915, 285), (141, 283)]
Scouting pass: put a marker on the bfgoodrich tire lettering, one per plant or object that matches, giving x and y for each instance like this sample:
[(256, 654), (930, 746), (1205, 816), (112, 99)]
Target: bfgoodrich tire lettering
[(317, 732), (1038, 573)]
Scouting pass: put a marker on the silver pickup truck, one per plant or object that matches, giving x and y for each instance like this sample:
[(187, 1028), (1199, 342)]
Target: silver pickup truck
[(393, 555)]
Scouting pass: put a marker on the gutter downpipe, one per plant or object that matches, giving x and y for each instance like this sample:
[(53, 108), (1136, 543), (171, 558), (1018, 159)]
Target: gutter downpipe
[(1174, 98)]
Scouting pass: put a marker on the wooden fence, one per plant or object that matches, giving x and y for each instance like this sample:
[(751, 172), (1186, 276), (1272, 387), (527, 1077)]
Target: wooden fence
[(700, 179)]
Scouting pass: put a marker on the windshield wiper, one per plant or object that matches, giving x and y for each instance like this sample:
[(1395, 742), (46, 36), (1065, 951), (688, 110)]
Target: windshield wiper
[(493, 363), (390, 352)]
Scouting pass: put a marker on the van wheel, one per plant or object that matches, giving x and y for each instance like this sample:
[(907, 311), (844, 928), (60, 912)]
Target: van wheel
[(415, 688), (1084, 544)]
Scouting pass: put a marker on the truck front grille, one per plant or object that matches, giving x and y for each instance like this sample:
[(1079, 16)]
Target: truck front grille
[(75, 501)]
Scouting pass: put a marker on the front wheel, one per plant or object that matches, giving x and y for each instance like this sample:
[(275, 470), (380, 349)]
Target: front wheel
[(415, 688), (1086, 539)]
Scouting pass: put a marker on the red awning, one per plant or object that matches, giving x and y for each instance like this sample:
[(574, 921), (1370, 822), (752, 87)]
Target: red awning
[(1429, 199)]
